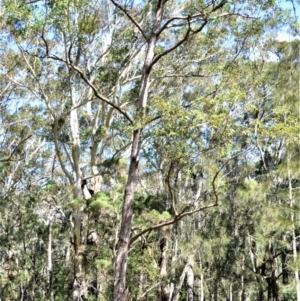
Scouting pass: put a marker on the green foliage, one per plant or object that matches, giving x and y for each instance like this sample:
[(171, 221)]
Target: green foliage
[(109, 163), (288, 293), (77, 203), (147, 203), (100, 200), (141, 263), (221, 122)]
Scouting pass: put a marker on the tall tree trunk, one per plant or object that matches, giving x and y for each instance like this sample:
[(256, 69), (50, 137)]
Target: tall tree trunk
[(190, 283), (126, 224), (242, 290), (294, 239), (273, 289), (284, 264), (150, 59), (189, 273), (50, 268), (127, 212), (201, 283), (297, 270), (178, 288), (174, 257), (163, 292), (76, 157)]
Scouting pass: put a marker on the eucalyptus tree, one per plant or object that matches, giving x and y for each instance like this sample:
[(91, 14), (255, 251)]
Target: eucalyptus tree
[(189, 20), (283, 146), (154, 80), (25, 165), (250, 175), (77, 123), (259, 188)]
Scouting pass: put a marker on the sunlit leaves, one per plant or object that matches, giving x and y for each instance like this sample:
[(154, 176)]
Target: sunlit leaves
[(99, 201)]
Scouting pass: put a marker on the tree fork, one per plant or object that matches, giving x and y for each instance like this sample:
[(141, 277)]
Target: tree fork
[(150, 60), (120, 267)]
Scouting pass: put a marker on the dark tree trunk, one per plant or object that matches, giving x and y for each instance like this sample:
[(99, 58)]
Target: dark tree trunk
[(285, 274), (163, 293), (127, 212)]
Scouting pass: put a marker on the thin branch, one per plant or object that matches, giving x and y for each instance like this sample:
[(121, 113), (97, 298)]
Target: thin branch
[(137, 25), (217, 174), (147, 291), (68, 155), (4, 89), (184, 39), (184, 75), (154, 119), (14, 122), (178, 18), (159, 56), (9, 158), (101, 97), (184, 211), (46, 45), (87, 81), (182, 214), (190, 18), (132, 79), (53, 167)]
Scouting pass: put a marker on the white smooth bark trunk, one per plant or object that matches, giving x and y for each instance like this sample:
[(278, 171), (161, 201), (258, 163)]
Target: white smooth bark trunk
[(190, 283), (76, 156), (187, 272), (180, 283)]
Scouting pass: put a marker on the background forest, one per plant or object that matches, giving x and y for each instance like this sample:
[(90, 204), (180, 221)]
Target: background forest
[(149, 150)]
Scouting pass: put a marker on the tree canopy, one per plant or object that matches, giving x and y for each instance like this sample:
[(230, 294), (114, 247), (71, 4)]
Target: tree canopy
[(149, 150)]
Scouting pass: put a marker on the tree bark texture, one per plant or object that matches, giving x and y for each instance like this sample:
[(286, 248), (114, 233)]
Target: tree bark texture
[(163, 292), (127, 212)]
